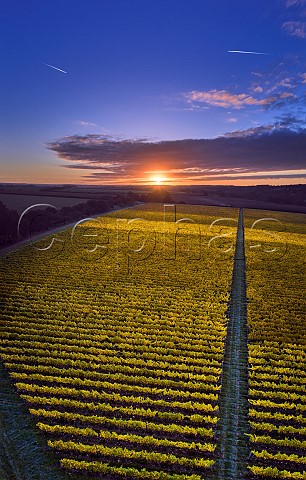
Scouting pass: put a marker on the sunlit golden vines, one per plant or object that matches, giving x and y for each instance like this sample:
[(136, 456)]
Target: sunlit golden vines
[(117, 350), (276, 252)]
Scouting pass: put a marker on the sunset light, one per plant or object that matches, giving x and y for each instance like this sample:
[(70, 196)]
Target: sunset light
[(156, 118), (152, 237), (158, 179)]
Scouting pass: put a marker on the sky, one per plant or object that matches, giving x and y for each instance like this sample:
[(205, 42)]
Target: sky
[(148, 92)]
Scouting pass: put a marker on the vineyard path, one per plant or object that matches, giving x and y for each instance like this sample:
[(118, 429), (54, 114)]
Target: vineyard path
[(232, 442)]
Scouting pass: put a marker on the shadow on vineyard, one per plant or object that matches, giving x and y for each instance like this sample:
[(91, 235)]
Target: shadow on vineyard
[(24, 453)]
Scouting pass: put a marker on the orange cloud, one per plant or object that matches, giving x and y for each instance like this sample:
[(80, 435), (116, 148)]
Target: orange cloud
[(222, 98), (286, 95)]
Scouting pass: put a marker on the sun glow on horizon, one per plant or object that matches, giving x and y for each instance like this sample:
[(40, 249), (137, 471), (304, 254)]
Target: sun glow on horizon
[(158, 179)]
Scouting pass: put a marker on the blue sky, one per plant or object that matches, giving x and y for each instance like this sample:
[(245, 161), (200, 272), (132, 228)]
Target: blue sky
[(145, 82)]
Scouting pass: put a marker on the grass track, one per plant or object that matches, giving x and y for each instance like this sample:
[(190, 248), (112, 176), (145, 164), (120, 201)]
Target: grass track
[(23, 449), (232, 444)]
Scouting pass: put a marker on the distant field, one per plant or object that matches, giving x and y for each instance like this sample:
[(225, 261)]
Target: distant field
[(21, 202), (243, 202)]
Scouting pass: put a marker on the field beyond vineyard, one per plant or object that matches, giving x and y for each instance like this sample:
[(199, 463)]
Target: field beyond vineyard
[(114, 336)]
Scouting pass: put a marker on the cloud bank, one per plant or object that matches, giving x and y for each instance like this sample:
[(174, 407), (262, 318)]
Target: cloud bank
[(278, 148)]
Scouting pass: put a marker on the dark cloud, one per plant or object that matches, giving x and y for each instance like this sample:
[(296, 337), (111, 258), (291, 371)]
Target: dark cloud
[(284, 125), (296, 124), (270, 148)]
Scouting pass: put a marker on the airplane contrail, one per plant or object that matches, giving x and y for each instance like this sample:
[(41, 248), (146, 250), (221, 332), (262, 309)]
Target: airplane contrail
[(55, 68), (250, 53)]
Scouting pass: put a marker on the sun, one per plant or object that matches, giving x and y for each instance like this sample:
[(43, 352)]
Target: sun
[(158, 179)]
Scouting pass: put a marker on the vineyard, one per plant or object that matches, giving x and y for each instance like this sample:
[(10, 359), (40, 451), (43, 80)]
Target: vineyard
[(115, 339), (118, 353), (277, 344)]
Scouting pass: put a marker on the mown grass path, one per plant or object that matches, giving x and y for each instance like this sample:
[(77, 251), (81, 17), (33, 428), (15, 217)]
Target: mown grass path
[(23, 449), (232, 441)]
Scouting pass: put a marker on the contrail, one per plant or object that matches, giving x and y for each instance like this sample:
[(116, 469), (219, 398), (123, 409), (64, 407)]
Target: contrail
[(55, 68), (250, 53)]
